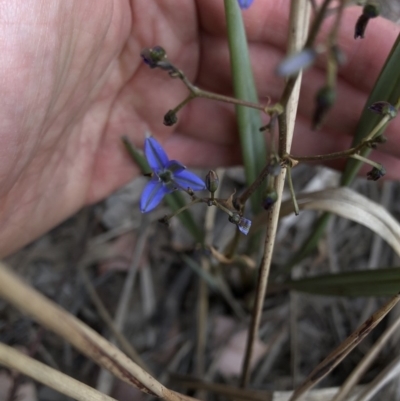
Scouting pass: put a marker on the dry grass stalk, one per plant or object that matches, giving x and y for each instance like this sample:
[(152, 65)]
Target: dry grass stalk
[(13, 359), (335, 357), (105, 380), (222, 389), (107, 319), (82, 337), (365, 363), (347, 203), (391, 372), (300, 11)]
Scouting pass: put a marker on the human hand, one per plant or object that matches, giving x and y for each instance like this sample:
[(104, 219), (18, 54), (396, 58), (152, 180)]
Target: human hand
[(73, 83)]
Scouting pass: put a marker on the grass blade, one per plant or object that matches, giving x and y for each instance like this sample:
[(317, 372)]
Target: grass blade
[(387, 87), (253, 143), (363, 283)]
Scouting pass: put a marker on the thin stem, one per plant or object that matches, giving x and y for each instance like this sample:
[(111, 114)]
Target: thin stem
[(197, 92), (254, 186), (299, 15), (282, 118), (291, 189), (378, 127), (184, 103), (183, 208), (329, 156), (367, 161), (317, 24), (223, 208)]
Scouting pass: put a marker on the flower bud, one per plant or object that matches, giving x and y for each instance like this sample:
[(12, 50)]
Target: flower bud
[(170, 118), (370, 10), (234, 218), (156, 57), (212, 181), (384, 109), (324, 100), (153, 56), (376, 173), (269, 199)]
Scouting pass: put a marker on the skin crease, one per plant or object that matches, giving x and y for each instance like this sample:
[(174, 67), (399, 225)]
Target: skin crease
[(72, 84)]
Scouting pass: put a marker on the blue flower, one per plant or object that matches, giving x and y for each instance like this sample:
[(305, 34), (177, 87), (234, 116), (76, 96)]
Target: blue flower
[(241, 223), (168, 175), (245, 3), (244, 225)]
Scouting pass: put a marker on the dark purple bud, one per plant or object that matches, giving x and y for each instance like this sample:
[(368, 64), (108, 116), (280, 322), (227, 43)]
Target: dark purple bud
[(324, 100), (376, 173), (383, 108), (212, 181), (156, 57), (361, 26), (170, 118), (269, 199), (164, 220), (370, 10)]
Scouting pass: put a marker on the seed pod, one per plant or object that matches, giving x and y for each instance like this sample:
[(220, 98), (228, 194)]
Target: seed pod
[(269, 199), (212, 181), (376, 173), (152, 56), (170, 118), (383, 108), (370, 10)]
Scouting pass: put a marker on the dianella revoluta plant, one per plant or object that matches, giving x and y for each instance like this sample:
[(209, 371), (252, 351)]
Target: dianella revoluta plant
[(265, 147)]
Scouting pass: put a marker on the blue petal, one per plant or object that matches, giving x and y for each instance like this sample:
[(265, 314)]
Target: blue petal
[(244, 225), (152, 195), (186, 179), (296, 62), (245, 4), (155, 154), (175, 167)]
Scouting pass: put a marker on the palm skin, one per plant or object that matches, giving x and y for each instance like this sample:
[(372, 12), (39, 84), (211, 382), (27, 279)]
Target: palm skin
[(72, 84)]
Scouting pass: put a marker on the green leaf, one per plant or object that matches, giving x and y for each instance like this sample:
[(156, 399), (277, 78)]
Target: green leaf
[(387, 87), (252, 141), (175, 200), (364, 283)]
